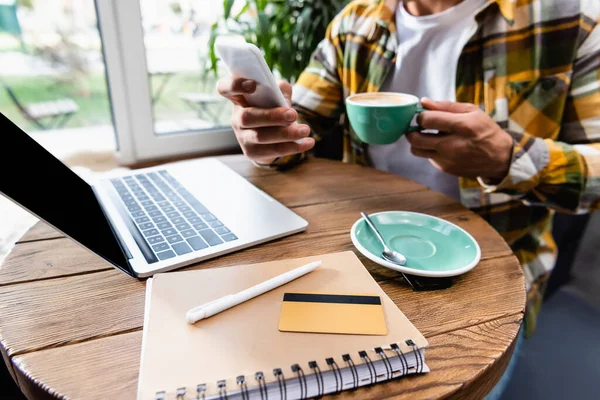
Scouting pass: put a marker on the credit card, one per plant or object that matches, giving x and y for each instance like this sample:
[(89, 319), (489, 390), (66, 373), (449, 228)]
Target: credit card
[(359, 314)]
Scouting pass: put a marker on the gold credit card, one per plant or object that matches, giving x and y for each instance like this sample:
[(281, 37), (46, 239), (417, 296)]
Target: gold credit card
[(332, 313)]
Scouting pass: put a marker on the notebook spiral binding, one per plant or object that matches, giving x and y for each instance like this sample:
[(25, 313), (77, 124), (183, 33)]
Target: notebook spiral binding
[(200, 394), (320, 382)]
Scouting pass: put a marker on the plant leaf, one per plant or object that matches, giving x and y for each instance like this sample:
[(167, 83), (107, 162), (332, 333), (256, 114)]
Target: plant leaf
[(213, 59), (227, 4), (242, 11)]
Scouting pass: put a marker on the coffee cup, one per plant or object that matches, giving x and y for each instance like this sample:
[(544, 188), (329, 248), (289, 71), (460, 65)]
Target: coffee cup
[(382, 117)]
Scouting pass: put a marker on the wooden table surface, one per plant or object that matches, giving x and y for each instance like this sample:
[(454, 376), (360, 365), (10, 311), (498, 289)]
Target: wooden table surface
[(71, 324)]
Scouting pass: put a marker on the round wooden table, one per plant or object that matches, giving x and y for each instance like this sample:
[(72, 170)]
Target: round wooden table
[(71, 324)]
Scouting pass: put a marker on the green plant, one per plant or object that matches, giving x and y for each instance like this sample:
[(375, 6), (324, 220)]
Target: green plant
[(287, 31), (175, 7)]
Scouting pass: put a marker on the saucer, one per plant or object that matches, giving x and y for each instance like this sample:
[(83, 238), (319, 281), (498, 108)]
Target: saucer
[(432, 246)]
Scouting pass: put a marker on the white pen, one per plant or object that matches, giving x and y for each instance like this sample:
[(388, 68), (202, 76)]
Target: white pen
[(216, 306)]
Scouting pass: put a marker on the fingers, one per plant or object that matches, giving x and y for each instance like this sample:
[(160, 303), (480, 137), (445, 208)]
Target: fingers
[(448, 106), (441, 120), (234, 89), (252, 117), (423, 141), (442, 159), (230, 86), (286, 89), (445, 116), (422, 153), (266, 151), (436, 160), (278, 134)]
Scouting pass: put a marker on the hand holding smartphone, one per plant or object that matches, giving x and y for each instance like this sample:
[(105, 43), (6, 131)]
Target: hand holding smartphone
[(263, 120)]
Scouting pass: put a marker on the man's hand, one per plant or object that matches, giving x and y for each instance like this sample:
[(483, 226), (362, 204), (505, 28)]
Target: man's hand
[(264, 134), (470, 143)]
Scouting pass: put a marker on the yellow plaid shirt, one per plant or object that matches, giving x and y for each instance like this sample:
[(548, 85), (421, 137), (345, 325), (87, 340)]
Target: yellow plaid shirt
[(533, 65)]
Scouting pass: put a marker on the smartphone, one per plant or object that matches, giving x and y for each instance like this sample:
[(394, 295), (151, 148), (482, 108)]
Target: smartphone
[(245, 60)]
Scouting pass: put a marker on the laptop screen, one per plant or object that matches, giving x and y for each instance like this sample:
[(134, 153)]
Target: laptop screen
[(43, 185)]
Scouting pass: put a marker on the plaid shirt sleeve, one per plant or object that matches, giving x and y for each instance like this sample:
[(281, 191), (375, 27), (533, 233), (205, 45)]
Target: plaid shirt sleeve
[(318, 94), (564, 174)]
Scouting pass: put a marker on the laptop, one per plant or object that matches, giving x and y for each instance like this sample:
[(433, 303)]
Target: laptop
[(147, 220)]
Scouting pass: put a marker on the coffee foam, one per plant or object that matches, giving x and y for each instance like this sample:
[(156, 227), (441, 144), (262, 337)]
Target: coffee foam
[(382, 99)]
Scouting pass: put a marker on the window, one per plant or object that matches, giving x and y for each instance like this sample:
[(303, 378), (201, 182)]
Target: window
[(52, 75), (162, 101)]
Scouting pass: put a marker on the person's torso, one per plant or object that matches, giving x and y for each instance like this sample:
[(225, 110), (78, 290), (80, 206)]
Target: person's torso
[(426, 58)]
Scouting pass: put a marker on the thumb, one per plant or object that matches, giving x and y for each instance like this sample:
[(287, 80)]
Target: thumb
[(286, 89), (447, 106)]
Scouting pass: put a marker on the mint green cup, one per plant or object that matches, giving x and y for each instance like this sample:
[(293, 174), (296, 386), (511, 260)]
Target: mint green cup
[(382, 117)]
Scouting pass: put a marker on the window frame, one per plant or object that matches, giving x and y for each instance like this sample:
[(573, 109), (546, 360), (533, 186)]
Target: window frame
[(120, 27)]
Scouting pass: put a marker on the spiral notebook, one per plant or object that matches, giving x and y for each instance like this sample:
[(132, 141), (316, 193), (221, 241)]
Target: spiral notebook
[(241, 354)]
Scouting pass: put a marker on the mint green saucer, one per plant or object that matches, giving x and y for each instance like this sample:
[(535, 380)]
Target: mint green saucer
[(432, 246)]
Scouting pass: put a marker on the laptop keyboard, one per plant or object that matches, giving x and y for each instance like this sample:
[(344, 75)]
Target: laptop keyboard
[(172, 221)]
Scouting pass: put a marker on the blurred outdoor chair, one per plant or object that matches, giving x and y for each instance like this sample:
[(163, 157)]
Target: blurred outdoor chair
[(165, 76), (45, 114), (199, 102)]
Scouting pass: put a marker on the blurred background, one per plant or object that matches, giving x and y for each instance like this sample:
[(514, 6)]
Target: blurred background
[(52, 50)]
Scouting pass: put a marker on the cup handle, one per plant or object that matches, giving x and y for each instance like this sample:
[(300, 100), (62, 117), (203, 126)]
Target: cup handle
[(416, 128)]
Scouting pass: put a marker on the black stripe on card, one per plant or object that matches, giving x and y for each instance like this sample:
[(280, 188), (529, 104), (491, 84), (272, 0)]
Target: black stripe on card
[(331, 298)]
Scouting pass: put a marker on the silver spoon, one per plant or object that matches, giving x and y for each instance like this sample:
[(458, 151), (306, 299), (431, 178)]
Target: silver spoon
[(389, 255)]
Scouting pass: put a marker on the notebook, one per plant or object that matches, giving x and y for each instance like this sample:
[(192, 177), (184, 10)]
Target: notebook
[(241, 354)]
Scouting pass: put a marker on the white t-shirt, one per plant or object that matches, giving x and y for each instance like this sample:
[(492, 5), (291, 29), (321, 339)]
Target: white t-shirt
[(426, 61)]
